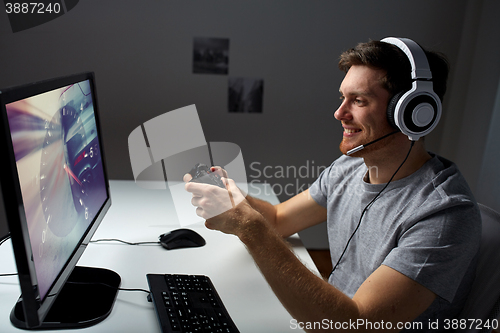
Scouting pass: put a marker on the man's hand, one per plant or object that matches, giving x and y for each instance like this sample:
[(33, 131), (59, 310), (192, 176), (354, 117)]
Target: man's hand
[(213, 202), (201, 192), (242, 220)]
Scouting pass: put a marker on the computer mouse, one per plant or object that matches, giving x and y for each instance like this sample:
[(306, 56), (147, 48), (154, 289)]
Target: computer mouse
[(181, 238)]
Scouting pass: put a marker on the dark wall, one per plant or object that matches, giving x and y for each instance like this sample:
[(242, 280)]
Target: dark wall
[(141, 53)]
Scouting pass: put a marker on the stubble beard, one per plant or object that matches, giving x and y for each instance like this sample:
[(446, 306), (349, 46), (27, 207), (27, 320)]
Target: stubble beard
[(344, 147)]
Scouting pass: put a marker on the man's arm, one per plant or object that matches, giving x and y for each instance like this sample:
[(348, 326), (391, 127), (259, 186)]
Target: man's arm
[(387, 296), (296, 214)]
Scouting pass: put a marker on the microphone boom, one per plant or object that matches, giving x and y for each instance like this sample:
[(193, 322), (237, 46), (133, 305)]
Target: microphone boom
[(358, 148)]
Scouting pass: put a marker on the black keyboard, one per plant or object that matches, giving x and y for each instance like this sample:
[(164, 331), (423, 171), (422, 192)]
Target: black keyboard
[(188, 303)]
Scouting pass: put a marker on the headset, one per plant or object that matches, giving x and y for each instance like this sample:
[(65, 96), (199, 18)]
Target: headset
[(417, 111)]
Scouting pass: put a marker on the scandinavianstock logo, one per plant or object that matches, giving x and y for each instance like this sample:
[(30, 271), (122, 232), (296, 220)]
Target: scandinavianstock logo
[(24, 15), (165, 148)]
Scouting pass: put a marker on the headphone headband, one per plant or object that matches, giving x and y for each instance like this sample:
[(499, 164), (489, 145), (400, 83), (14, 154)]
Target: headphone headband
[(420, 68), (417, 111)]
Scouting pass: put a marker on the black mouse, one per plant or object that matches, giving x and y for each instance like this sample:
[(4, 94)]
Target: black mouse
[(181, 238)]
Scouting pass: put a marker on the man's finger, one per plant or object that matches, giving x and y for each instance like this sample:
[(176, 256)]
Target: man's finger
[(187, 177), (235, 193), (219, 171), (196, 189), (229, 190)]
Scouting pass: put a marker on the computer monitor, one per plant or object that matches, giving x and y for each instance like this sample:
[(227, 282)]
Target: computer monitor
[(56, 193)]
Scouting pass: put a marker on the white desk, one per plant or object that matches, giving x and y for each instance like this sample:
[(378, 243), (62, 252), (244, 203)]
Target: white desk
[(138, 215)]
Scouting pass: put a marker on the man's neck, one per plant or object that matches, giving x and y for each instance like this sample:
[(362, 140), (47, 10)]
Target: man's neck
[(383, 164)]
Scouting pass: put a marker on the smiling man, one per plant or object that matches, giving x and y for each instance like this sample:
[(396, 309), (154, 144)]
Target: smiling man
[(403, 226)]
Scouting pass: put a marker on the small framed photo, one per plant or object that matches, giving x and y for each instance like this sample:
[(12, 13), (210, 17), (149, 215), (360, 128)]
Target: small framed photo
[(210, 55), (245, 95)]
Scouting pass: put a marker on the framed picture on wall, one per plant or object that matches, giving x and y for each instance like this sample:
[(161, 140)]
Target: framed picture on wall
[(245, 95), (210, 55)]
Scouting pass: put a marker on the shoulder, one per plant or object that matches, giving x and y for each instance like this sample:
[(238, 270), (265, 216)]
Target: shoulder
[(445, 204), (435, 200), (448, 185), (448, 179)]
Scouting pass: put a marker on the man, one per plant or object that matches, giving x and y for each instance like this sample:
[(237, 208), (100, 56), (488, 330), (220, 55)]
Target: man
[(406, 258)]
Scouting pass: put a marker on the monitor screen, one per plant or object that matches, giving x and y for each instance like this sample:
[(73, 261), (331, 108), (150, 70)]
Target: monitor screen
[(58, 180)]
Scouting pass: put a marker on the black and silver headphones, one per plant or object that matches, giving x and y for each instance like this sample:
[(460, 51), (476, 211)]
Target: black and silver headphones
[(417, 111)]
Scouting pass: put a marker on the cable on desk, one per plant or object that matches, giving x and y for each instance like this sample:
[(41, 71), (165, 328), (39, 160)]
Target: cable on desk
[(95, 241), (122, 241), (1, 242), (107, 285), (5, 239)]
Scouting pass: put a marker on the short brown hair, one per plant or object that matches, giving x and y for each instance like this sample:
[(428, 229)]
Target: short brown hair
[(396, 64)]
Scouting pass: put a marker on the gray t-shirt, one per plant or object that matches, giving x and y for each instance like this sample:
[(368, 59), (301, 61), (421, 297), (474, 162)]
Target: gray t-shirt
[(426, 226)]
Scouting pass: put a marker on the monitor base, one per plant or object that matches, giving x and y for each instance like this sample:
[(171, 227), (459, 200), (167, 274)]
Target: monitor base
[(85, 300)]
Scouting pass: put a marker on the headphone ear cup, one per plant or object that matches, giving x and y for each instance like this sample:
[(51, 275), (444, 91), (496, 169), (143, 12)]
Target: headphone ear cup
[(391, 109)]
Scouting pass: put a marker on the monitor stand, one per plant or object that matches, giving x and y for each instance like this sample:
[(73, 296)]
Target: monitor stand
[(85, 302)]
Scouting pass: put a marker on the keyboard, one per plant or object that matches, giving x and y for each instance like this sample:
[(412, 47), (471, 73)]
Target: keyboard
[(188, 303)]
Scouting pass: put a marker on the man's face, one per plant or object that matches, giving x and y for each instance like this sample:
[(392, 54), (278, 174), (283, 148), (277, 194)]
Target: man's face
[(363, 109)]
